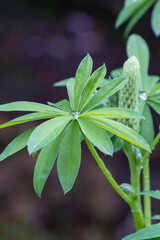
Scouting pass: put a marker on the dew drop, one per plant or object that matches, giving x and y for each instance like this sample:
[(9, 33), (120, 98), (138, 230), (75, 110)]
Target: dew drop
[(143, 96)]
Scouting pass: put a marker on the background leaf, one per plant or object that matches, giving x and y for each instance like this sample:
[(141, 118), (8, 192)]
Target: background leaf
[(151, 82), (136, 46), (155, 106), (46, 132), (137, 15), (127, 11), (17, 144), (97, 136), (149, 232), (61, 83), (82, 75), (153, 194), (146, 125), (44, 164), (69, 157), (155, 19)]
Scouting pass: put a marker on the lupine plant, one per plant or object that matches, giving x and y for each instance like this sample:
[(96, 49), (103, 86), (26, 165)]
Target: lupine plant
[(134, 10), (108, 114)]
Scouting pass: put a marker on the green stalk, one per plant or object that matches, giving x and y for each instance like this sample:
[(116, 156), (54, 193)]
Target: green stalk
[(152, 147), (147, 199), (135, 170), (107, 173), (146, 181)]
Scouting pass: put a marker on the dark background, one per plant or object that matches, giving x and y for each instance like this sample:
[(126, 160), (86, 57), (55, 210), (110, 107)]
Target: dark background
[(42, 42)]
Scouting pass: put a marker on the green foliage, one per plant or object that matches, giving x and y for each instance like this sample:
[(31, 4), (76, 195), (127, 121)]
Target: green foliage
[(150, 232), (133, 11), (155, 19), (149, 94), (153, 194), (68, 120)]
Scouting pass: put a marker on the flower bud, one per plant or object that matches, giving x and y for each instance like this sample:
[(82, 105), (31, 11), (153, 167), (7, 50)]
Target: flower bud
[(128, 95)]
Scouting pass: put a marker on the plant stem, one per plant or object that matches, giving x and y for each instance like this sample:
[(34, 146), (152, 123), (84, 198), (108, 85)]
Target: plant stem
[(152, 147), (135, 170), (147, 199), (107, 173)]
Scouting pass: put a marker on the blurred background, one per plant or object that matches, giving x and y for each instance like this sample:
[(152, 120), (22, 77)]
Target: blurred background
[(42, 42)]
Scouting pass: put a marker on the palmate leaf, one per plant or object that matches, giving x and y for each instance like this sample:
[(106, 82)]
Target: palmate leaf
[(151, 82), (146, 125), (136, 46), (150, 232), (136, 16), (46, 132), (120, 130), (69, 157), (28, 118), (70, 89), (128, 11), (156, 217), (155, 91), (113, 113), (63, 105), (81, 78), (61, 83), (103, 93), (153, 194), (155, 106), (97, 136), (29, 106), (92, 85), (44, 164), (155, 19), (17, 144)]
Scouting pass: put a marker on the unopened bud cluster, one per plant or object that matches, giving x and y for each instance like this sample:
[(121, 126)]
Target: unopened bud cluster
[(128, 95)]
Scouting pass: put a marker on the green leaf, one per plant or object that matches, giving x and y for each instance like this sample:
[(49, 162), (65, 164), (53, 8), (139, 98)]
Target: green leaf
[(146, 125), (155, 91), (92, 85), (63, 105), (17, 144), (44, 164), (69, 157), (153, 194), (70, 89), (121, 130), (155, 106), (97, 136), (128, 11), (28, 118), (136, 46), (81, 78), (156, 217), (61, 83), (106, 91), (114, 113), (29, 106), (149, 232), (137, 15), (117, 145), (116, 73), (151, 82), (46, 132), (155, 19)]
